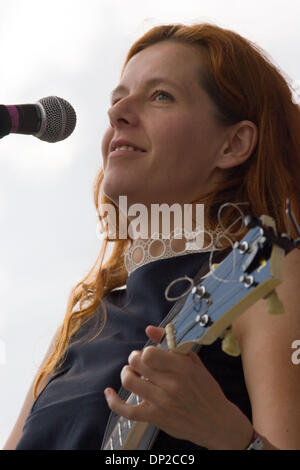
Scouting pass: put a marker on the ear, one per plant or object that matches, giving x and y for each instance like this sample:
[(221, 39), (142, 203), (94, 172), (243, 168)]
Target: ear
[(239, 144)]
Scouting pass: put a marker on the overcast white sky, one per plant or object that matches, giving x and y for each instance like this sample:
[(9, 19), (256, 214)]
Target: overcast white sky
[(75, 49)]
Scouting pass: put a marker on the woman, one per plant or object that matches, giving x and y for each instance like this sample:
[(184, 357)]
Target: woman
[(200, 116)]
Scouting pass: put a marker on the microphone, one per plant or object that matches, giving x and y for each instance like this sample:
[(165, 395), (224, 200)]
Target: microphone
[(50, 119)]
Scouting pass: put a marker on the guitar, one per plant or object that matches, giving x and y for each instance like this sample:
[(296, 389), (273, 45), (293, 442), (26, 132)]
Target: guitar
[(251, 271)]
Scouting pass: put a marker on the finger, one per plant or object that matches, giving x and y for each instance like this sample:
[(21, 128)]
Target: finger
[(136, 362), (141, 412), (140, 386), (164, 361), (155, 333)]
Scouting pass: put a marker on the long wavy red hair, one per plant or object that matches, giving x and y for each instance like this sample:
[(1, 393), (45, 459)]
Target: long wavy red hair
[(244, 84)]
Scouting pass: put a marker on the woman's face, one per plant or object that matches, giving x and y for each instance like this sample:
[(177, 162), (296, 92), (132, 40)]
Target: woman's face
[(160, 108)]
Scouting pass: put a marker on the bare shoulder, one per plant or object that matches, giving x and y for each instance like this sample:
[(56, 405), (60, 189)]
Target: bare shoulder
[(288, 291), (272, 379)]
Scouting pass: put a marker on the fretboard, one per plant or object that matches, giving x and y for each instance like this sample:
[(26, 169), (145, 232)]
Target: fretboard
[(122, 428)]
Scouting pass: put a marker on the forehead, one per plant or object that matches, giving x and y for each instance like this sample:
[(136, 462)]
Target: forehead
[(168, 58)]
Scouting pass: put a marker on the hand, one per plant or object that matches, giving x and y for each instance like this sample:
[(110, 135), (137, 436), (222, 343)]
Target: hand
[(180, 397)]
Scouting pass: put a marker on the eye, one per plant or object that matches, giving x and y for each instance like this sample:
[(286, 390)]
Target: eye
[(156, 94), (166, 95)]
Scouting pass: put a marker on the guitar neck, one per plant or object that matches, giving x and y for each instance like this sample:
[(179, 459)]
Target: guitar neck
[(127, 434)]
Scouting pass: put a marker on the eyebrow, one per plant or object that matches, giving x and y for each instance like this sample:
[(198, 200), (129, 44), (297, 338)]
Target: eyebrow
[(148, 83)]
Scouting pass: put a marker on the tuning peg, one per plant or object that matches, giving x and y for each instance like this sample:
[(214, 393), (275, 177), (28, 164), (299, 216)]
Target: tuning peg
[(170, 335), (274, 304), (251, 221), (230, 344)]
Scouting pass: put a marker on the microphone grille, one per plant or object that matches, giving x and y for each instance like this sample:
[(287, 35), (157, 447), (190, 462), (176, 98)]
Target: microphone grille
[(58, 119)]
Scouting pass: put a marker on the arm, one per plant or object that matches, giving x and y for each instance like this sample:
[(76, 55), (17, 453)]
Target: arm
[(272, 380), (16, 432)]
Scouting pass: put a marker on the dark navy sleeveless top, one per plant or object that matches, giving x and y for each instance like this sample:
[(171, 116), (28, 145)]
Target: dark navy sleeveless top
[(71, 411)]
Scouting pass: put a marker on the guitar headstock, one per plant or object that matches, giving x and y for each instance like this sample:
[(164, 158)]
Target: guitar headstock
[(250, 272)]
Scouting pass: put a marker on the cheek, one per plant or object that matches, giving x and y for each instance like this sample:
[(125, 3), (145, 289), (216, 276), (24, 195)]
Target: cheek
[(177, 138), (184, 151), (169, 136), (193, 139), (179, 131)]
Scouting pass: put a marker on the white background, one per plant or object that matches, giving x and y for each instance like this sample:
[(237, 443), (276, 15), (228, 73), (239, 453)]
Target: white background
[(75, 49)]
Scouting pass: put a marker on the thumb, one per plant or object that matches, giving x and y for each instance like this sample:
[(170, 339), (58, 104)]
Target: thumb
[(155, 333)]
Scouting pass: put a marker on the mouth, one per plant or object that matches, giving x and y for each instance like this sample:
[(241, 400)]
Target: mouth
[(125, 150)]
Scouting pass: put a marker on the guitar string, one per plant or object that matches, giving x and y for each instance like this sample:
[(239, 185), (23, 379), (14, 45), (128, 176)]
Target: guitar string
[(211, 271), (211, 282), (179, 322), (213, 276), (216, 305), (189, 311), (203, 278), (190, 321)]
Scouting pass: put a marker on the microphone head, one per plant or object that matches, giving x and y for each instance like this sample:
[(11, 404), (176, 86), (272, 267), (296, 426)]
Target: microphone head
[(58, 119)]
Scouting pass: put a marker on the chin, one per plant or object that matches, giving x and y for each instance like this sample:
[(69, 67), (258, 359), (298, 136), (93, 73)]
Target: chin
[(115, 187), (111, 190)]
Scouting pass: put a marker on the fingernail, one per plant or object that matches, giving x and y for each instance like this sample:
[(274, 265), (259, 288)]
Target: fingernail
[(107, 393), (132, 354)]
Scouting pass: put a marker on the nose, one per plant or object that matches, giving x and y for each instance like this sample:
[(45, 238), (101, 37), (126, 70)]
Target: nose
[(123, 114)]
